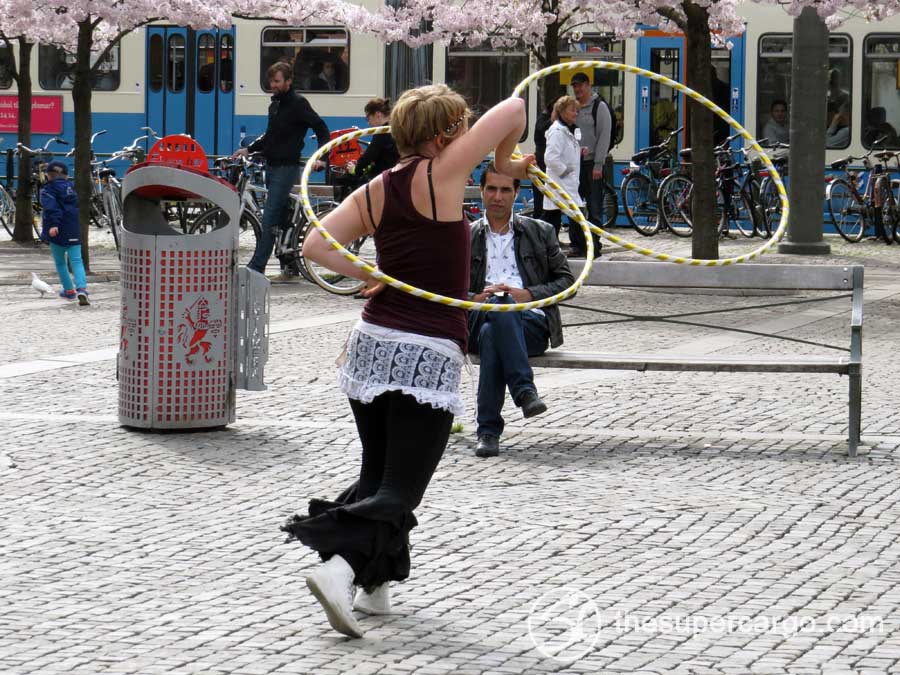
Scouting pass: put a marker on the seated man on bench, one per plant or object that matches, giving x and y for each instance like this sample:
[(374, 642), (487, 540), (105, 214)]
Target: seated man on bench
[(514, 259)]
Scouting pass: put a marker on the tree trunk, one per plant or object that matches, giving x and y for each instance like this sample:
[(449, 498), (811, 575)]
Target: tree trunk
[(24, 213), (81, 99), (550, 84), (698, 44)]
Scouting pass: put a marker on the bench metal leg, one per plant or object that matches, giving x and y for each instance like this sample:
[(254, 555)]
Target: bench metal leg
[(855, 412)]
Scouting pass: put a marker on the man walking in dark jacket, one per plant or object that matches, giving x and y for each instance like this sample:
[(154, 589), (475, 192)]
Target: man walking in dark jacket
[(60, 228), (514, 259), (290, 117)]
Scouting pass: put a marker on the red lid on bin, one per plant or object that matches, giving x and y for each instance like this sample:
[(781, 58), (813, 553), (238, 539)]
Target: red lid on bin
[(177, 151)]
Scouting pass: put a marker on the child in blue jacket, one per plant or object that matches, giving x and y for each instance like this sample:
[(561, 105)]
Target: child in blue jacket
[(62, 231)]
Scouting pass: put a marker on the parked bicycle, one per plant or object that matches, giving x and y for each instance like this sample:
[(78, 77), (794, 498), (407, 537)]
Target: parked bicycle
[(243, 172), (7, 208), (40, 158), (737, 194), (769, 199), (857, 204), (640, 187)]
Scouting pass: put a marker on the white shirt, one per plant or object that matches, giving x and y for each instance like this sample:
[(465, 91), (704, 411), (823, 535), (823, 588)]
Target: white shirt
[(563, 159), (502, 267), (501, 258)]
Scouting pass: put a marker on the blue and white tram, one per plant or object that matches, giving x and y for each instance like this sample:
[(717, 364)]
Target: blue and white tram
[(210, 83)]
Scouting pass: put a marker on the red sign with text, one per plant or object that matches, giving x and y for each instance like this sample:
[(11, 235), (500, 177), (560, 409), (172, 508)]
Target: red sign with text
[(46, 114)]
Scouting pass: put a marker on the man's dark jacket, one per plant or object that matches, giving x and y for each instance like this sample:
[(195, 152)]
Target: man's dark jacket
[(290, 117), (542, 266)]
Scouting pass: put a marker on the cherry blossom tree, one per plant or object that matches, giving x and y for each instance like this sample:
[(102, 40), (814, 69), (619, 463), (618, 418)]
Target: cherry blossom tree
[(20, 71), (89, 29), (18, 30)]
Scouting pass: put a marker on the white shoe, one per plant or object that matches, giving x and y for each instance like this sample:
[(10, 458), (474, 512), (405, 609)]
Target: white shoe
[(332, 584), (376, 603)]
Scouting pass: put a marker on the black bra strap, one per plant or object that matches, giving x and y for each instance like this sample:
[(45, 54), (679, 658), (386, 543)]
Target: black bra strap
[(431, 191), (369, 206)]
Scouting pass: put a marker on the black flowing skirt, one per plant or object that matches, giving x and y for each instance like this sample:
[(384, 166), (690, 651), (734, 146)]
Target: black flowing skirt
[(372, 534)]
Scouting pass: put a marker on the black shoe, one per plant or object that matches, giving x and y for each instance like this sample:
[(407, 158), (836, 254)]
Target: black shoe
[(531, 404), (488, 446)]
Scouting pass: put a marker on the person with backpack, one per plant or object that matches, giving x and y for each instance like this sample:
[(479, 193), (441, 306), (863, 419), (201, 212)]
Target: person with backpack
[(596, 124)]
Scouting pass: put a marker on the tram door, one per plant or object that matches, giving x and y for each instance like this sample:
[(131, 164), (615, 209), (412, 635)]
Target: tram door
[(661, 109), (190, 85)]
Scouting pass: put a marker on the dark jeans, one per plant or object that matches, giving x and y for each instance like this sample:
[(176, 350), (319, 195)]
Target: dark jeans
[(592, 193), (576, 236), (505, 341), (280, 180), (538, 198)]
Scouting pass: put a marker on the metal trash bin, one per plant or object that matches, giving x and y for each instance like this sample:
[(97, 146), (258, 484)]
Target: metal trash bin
[(194, 327)]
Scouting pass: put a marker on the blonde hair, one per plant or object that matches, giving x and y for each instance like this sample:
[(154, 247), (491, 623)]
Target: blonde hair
[(562, 103), (424, 113)]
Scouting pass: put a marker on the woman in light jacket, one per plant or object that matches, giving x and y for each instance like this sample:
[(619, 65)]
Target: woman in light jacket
[(563, 159)]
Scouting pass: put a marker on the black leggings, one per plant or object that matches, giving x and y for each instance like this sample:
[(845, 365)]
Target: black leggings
[(403, 441), (368, 524)]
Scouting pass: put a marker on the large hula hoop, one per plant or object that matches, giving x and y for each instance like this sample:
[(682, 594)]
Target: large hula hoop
[(559, 197), (407, 288), (543, 179)]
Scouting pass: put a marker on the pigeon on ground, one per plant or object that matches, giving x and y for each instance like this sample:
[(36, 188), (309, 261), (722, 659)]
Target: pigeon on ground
[(40, 285)]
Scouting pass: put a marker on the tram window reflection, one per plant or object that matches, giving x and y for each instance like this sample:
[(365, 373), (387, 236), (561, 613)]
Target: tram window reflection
[(881, 91), (485, 76), (320, 57), (56, 69), (773, 86)]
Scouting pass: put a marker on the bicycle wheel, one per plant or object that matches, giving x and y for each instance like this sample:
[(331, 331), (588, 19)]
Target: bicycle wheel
[(737, 213), (214, 218), (675, 193), (610, 206), (36, 210), (639, 200), (7, 211), (846, 211), (112, 212), (324, 277), (886, 219), (770, 208)]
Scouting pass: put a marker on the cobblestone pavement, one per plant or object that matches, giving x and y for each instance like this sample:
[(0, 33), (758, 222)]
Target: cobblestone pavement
[(647, 523)]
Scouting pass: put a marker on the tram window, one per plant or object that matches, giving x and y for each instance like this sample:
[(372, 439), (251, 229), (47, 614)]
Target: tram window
[(206, 62), (773, 88), (881, 90), (6, 67), (56, 69), (175, 63), (156, 63), (320, 57), (610, 84), (485, 77), (226, 63)]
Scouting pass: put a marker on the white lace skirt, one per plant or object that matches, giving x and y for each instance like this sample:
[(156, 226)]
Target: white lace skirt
[(379, 359)]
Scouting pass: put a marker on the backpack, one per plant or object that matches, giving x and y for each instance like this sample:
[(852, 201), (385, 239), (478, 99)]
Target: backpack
[(614, 126)]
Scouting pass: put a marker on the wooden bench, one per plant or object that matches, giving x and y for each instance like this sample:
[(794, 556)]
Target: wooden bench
[(744, 277)]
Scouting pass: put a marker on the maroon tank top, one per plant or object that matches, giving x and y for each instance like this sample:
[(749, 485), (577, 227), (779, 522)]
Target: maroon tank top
[(425, 252)]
